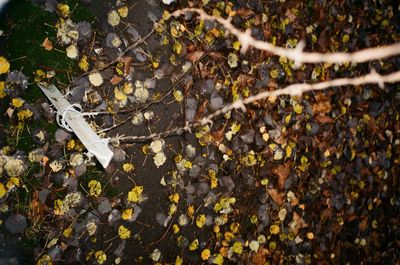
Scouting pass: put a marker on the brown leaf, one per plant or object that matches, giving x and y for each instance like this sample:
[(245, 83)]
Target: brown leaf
[(289, 13), (47, 44), (321, 107), (115, 79), (324, 119), (257, 20), (244, 12), (36, 212), (276, 196), (363, 223), (245, 80), (127, 60), (323, 40), (201, 110), (298, 223), (259, 257), (195, 56), (219, 134), (267, 30), (282, 171)]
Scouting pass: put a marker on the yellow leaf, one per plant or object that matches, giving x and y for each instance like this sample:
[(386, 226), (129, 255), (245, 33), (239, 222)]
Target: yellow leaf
[(234, 227), (174, 197), (175, 229), (123, 11), (236, 45), (177, 47), (345, 38), (288, 151), (124, 232), (17, 102), (178, 260), (205, 254), (235, 127), (237, 247), (298, 108), (45, 260), (128, 88), (13, 182), (274, 73), (134, 194), (83, 63), (94, 188), (89, 255), (128, 167), (155, 63), (166, 15), (119, 94), (274, 229), (4, 65), (178, 96), (71, 144), (194, 245), (214, 182), (190, 211), (100, 256), (304, 163), (229, 236), (218, 260), (24, 114), (2, 93), (201, 220), (187, 164), (172, 209), (68, 232), (2, 191), (287, 118), (63, 9), (127, 214), (58, 207)]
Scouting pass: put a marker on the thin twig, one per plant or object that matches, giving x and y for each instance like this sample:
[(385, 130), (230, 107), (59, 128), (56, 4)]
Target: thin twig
[(296, 54), (292, 90), (134, 45)]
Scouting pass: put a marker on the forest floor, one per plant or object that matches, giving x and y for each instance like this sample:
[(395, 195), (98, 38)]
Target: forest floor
[(310, 179)]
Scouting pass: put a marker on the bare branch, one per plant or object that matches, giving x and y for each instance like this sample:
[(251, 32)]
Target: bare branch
[(292, 90), (297, 54)]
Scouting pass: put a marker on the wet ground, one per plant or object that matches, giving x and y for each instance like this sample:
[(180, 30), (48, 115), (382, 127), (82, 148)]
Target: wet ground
[(290, 181)]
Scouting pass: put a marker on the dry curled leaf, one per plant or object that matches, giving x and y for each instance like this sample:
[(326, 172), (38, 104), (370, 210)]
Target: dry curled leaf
[(282, 171), (127, 60), (47, 44), (276, 196)]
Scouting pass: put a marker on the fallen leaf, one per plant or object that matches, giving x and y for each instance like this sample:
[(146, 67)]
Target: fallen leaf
[(96, 79), (47, 44), (324, 119), (282, 171), (201, 110), (115, 79), (260, 257), (195, 56), (4, 65), (321, 107), (244, 12), (37, 210), (275, 196), (363, 223), (127, 60)]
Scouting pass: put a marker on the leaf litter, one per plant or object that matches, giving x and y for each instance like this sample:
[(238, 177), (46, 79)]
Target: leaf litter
[(285, 181)]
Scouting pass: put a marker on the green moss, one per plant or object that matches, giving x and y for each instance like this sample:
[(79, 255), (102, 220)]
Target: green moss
[(26, 27)]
